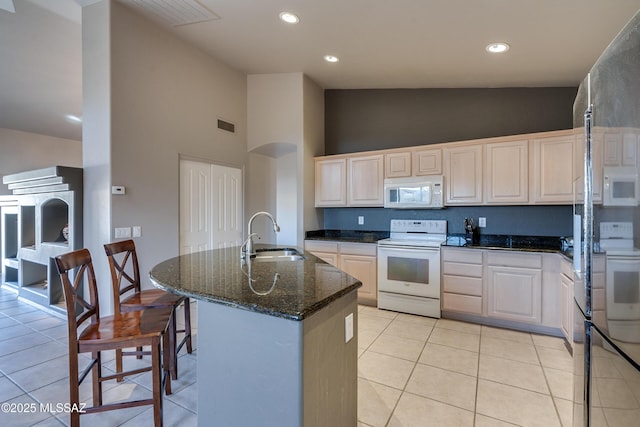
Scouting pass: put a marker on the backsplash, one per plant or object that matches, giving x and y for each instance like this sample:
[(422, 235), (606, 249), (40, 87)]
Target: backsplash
[(510, 220)]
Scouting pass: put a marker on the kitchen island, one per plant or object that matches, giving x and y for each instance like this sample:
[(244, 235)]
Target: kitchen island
[(277, 342)]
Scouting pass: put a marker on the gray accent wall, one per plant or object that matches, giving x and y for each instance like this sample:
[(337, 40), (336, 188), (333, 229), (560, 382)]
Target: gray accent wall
[(374, 119)]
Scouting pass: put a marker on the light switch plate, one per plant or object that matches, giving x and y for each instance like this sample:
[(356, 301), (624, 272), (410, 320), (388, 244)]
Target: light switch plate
[(360, 220), (482, 222), (122, 232), (348, 327), (137, 231)]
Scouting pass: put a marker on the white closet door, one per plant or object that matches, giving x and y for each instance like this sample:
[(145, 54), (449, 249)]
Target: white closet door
[(227, 206), (210, 206)]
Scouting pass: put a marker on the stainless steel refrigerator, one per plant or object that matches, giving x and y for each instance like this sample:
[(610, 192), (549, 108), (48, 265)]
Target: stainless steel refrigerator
[(606, 326)]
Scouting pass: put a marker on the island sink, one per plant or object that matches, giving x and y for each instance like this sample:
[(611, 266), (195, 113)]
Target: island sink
[(277, 254)]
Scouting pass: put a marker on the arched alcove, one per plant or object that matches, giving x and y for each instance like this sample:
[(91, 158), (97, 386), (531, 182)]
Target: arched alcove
[(54, 218)]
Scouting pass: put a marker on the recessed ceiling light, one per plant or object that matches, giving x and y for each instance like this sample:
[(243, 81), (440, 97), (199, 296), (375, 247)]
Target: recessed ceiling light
[(289, 18), (73, 119), (497, 47), (331, 58)]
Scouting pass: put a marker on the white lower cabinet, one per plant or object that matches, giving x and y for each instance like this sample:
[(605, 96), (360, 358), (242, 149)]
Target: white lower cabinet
[(509, 288), (462, 280), (356, 259), (566, 298), (514, 286)]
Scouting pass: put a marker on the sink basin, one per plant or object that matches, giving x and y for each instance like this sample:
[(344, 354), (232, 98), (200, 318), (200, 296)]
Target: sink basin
[(277, 254)]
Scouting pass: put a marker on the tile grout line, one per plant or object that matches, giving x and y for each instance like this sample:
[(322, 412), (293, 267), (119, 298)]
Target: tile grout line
[(546, 381), (403, 391)]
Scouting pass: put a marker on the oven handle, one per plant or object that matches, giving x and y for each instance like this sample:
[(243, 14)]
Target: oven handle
[(406, 249), (634, 259)]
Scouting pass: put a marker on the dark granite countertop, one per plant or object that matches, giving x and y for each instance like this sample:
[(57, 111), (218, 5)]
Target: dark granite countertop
[(353, 236), (512, 242), (288, 289)]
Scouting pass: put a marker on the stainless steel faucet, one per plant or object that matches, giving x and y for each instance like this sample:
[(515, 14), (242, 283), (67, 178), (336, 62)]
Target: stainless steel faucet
[(248, 244)]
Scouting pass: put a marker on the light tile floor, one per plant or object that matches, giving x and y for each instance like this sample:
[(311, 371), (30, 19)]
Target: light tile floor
[(419, 371), (412, 371)]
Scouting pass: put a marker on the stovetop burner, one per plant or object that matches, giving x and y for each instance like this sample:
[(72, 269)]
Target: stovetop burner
[(416, 233)]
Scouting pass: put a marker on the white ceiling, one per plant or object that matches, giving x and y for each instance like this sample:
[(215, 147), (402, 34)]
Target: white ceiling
[(380, 43)]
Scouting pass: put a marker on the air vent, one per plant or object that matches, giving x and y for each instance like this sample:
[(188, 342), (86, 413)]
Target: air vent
[(224, 125), (173, 12)]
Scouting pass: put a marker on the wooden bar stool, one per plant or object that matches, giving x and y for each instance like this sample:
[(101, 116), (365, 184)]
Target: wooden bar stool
[(90, 333), (125, 279)]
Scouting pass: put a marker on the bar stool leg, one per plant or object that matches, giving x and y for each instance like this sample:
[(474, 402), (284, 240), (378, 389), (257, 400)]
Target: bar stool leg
[(187, 324)]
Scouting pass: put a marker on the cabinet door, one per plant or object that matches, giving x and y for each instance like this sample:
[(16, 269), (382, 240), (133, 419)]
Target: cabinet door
[(397, 165), (463, 175), (507, 172), (427, 162), (331, 182), (514, 294), (612, 148), (365, 181), (629, 149), (363, 268), (566, 316), (553, 169)]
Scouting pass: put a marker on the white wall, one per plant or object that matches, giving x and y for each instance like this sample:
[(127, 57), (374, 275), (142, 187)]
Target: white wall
[(96, 141), (260, 194), (312, 146), (274, 109), (24, 151), (286, 199), (165, 98), (287, 110)]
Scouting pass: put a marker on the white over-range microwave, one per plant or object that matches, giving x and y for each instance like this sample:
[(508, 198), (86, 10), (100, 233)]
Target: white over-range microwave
[(414, 193), (620, 187)]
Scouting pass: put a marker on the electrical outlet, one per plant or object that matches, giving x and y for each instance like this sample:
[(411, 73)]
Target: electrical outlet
[(348, 328), (360, 220), (482, 222)]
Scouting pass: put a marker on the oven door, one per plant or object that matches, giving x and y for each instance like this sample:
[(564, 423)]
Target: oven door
[(623, 289), (409, 271)]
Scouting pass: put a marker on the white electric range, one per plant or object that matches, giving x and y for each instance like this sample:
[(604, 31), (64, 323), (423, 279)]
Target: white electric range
[(622, 287), (409, 267)]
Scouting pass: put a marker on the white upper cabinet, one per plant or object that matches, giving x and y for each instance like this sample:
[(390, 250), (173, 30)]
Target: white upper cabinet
[(419, 162), (541, 168), (629, 149), (331, 182), (365, 180), (620, 148), (397, 165), (552, 175), (463, 174), (507, 172), (427, 162)]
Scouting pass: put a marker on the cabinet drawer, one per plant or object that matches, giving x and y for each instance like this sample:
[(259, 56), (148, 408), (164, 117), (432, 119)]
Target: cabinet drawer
[(328, 257), (462, 285), (320, 246), (566, 268), (598, 263), (359, 249), (469, 256), (462, 269), (514, 259), (465, 303)]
